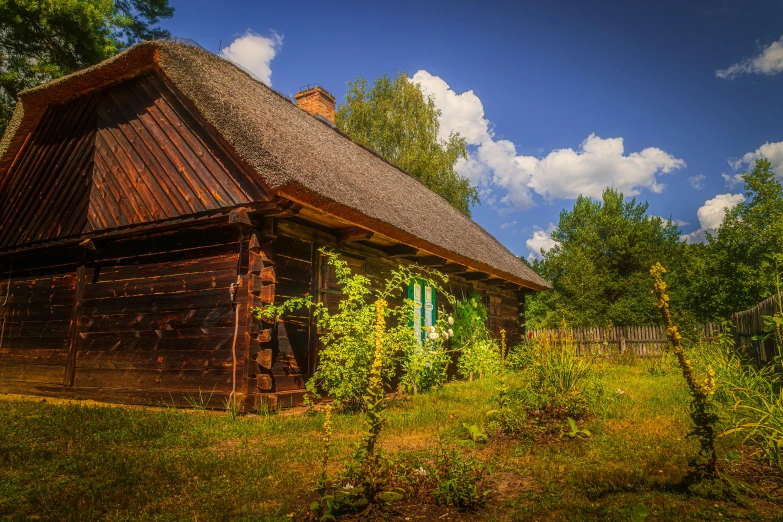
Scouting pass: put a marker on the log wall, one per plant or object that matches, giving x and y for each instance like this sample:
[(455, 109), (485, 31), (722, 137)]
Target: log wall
[(147, 320)]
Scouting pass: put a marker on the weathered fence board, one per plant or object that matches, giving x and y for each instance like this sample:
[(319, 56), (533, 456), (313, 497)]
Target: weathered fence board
[(750, 323), (643, 341)]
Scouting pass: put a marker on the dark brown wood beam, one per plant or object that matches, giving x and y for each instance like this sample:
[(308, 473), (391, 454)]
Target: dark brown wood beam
[(475, 276), (401, 251), (453, 269), (431, 261), (495, 281), (352, 234)]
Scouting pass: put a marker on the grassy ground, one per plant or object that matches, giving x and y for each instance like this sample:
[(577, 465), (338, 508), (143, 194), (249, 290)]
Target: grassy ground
[(65, 461)]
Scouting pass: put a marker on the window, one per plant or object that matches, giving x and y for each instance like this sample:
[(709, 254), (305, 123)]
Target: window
[(424, 307)]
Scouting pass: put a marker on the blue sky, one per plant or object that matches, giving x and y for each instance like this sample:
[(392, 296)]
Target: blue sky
[(660, 98)]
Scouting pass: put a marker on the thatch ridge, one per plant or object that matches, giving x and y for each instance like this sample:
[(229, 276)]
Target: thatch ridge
[(296, 155)]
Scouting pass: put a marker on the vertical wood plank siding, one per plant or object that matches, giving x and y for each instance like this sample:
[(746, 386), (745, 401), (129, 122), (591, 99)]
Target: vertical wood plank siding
[(128, 155)]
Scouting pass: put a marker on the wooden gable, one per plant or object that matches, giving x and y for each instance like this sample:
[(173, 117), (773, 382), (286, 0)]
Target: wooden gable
[(128, 155)]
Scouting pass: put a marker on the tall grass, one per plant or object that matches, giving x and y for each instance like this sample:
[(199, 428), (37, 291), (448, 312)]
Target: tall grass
[(753, 397), (556, 379)]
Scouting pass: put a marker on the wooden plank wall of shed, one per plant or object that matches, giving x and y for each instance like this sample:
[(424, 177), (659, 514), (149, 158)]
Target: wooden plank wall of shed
[(157, 321), (36, 319)]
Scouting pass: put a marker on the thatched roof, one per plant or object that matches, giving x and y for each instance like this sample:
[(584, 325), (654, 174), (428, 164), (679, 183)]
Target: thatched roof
[(295, 155)]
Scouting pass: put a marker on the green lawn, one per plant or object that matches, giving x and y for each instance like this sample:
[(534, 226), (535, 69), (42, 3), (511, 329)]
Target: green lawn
[(66, 461)]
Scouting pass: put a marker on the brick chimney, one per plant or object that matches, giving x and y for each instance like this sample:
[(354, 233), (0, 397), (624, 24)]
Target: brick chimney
[(317, 101)]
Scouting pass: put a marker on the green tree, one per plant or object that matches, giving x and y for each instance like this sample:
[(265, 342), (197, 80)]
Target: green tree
[(44, 39), (600, 268), (732, 271), (395, 119)]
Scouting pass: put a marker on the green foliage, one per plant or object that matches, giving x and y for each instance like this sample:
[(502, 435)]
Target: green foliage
[(461, 480), (753, 397), (44, 39), (479, 355), (475, 433), (349, 335), (732, 271), (395, 119), (574, 430), (558, 383), (599, 268), (425, 364)]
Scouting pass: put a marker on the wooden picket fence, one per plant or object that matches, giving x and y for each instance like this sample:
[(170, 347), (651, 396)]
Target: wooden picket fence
[(749, 324), (644, 341)]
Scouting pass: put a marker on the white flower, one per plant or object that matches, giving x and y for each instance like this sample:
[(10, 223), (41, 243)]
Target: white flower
[(620, 392), (451, 332), (451, 320), (434, 336), (348, 485), (445, 335), (421, 471)]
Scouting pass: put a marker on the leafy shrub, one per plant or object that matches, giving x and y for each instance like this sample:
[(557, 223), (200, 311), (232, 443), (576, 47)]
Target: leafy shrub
[(425, 364), (558, 383), (479, 355), (461, 481), (349, 339)]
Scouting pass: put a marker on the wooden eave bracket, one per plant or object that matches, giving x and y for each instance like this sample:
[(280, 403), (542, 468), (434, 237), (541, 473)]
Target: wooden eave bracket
[(401, 251), (89, 244), (352, 234), (475, 276)]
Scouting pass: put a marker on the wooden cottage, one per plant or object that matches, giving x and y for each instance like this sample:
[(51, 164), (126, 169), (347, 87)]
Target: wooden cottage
[(149, 201)]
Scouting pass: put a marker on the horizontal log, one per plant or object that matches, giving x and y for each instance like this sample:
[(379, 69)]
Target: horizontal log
[(35, 329), (214, 399), (149, 341), (157, 360), (39, 313), (202, 299), (35, 356), (170, 380), (161, 285), (292, 247), (207, 318), (40, 373), (289, 382), (212, 263)]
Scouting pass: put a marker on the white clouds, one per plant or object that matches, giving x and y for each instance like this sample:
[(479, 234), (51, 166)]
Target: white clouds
[(732, 180), (255, 53), (697, 182), (597, 164), (541, 240), (509, 224), (768, 61), (711, 216), (772, 151), (678, 222), (563, 173)]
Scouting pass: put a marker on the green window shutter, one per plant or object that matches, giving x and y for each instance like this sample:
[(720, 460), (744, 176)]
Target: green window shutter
[(415, 292)]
